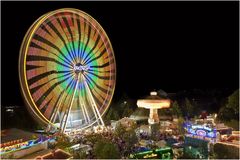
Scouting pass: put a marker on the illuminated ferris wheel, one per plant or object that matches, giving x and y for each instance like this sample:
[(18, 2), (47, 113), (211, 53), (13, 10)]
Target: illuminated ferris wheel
[(67, 70)]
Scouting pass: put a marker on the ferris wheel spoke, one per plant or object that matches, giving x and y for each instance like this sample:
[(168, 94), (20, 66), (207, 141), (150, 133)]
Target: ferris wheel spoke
[(60, 36), (81, 48), (79, 35), (47, 42), (100, 77), (104, 71), (31, 67), (84, 53), (90, 80), (101, 66), (88, 57), (45, 107), (43, 27), (43, 75), (91, 51), (49, 90), (34, 60), (91, 59), (71, 34), (37, 87), (88, 39), (44, 58), (36, 46), (98, 86)]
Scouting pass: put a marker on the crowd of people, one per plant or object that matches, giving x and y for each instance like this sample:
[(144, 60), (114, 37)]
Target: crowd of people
[(108, 134)]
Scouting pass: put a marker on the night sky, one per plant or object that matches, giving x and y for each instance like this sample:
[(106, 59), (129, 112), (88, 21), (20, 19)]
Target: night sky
[(158, 45)]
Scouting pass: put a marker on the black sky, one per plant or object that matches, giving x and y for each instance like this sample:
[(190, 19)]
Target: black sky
[(158, 45)]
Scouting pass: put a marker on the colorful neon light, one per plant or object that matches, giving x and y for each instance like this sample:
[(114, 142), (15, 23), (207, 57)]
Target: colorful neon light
[(200, 130), (23, 145), (161, 153), (67, 69), (201, 133)]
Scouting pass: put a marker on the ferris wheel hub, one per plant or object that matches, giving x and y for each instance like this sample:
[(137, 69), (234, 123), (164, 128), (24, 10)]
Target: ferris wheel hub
[(80, 68)]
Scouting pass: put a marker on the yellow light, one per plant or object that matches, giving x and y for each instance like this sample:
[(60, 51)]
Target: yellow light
[(156, 104), (150, 155)]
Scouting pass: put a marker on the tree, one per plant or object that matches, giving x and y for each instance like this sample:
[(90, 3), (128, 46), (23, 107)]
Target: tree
[(225, 113), (230, 110), (127, 112), (180, 125), (233, 103), (128, 136), (112, 114), (119, 130), (176, 109), (93, 138), (188, 108), (233, 123), (155, 131), (130, 139), (105, 149), (62, 143), (80, 155)]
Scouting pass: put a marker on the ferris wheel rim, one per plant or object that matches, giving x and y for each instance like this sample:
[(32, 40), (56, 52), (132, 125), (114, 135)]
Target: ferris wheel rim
[(22, 58)]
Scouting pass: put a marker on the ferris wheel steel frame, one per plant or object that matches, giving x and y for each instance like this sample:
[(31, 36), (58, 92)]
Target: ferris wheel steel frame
[(93, 94)]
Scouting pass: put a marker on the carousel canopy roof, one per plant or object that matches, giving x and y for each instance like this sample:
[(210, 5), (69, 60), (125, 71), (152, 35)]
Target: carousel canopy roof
[(153, 101)]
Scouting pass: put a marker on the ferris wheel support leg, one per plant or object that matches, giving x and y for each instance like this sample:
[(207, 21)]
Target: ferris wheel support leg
[(70, 117), (94, 104), (95, 113), (85, 113), (62, 122), (70, 107), (63, 117), (56, 111)]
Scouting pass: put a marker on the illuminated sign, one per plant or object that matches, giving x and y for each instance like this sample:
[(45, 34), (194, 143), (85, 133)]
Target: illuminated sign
[(14, 147), (80, 68), (150, 155), (201, 133), (162, 153), (201, 130), (18, 144), (201, 127)]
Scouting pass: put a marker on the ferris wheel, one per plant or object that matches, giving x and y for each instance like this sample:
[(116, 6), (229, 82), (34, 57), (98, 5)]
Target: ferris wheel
[(67, 70)]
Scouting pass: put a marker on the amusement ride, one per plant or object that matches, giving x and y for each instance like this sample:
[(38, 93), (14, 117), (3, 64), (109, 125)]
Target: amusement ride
[(67, 70)]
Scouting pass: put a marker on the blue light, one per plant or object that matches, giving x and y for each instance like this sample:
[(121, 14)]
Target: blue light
[(200, 130)]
